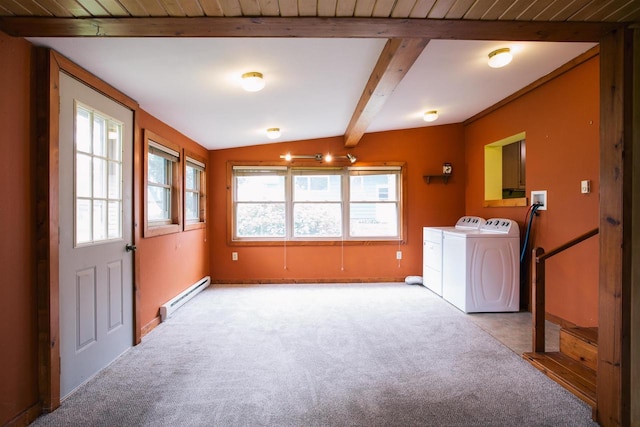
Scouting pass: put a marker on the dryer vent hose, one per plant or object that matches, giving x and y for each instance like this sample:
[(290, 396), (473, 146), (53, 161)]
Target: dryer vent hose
[(530, 213)]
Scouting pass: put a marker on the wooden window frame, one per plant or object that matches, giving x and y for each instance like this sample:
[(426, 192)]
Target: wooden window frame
[(202, 221), (402, 215), (175, 225)]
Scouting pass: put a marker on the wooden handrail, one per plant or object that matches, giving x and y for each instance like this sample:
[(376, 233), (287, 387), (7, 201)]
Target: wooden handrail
[(567, 245), (538, 258)]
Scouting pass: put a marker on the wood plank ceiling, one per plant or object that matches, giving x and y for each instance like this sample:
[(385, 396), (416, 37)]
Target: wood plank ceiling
[(509, 10)]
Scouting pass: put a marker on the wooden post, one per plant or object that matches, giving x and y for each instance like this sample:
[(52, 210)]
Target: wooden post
[(616, 220), (538, 303)]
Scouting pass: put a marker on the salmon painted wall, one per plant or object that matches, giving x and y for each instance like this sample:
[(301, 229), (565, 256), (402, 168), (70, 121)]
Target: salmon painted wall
[(423, 149), (18, 351), (561, 121), (172, 262)]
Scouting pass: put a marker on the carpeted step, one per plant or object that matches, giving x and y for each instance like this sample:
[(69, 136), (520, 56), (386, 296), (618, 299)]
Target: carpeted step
[(580, 344), (569, 373)]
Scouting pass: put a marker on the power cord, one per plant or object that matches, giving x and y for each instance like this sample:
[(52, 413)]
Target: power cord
[(531, 212)]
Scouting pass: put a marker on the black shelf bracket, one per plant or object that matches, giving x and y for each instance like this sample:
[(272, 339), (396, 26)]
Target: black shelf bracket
[(444, 177)]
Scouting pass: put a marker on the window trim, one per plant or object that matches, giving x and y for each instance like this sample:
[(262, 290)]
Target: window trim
[(175, 224), (195, 159), (347, 241)]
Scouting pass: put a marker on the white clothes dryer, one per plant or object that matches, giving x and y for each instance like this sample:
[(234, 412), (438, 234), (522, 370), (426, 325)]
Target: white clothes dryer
[(481, 268), (432, 250)]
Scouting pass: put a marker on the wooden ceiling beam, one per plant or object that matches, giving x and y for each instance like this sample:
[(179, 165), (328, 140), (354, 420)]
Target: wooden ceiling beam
[(394, 62), (310, 27)]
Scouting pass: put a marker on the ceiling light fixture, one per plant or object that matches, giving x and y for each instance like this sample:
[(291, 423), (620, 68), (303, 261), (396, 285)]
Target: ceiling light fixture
[(253, 81), (318, 157), (500, 57), (430, 116), (273, 133)]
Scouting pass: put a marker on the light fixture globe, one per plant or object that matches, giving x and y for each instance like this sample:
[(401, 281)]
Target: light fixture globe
[(273, 133), (500, 57), (430, 116), (253, 81)]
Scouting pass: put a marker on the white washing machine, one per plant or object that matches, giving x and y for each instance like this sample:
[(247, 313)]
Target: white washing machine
[(481, 268), (432, 250)]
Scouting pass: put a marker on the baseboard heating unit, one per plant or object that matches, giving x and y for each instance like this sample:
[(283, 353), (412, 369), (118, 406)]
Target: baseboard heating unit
[(167, 309)]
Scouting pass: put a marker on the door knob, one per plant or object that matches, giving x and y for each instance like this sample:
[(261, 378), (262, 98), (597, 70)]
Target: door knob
[(130, 247)]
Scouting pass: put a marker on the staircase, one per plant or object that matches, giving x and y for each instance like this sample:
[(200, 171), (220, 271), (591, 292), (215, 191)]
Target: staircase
[(574, 366)]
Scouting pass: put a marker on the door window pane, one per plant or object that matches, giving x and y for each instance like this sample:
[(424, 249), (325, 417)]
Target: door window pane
[(114, 183), (83, 130), (114, 216), (83, 169), (99, 220), (83, 221), (98, 177), (99, 148)]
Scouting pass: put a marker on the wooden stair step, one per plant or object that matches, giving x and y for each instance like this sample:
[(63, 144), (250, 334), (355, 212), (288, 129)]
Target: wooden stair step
[(581, 344), (589, 335), (569, 373)]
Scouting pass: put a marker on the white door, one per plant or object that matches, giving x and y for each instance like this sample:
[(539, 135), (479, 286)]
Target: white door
[(96, 301)]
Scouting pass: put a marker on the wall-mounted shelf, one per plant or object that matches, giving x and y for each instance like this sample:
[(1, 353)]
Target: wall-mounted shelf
[(444, 177)]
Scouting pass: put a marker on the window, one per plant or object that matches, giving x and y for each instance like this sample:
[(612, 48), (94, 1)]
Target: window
[(98, 177), (194, 191), (504, 172), (162, 176), (350, 203), (259, 206), (374, 204)]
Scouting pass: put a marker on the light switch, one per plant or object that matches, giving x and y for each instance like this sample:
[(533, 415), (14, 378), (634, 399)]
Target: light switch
[(585, 186)]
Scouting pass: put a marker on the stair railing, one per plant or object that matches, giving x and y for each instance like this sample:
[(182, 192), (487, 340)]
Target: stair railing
[(539, 256)]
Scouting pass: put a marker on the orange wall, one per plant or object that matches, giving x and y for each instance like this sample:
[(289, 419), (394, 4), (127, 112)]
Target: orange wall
[(18, 351), (423, 149), (172, 262), (561, 121)]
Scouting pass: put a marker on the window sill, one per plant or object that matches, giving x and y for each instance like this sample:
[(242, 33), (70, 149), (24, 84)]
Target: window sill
[(159, 230), (505, 203), (194, 226)]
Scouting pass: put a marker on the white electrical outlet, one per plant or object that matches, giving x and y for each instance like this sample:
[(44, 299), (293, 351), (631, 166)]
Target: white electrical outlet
[(399, 255), (234, 256), (585, 186)]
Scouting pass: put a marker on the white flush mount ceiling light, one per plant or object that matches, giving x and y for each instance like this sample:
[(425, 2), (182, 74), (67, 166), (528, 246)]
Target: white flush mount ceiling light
[(273, 133), (500, 57), (430, 116), (253, 81)]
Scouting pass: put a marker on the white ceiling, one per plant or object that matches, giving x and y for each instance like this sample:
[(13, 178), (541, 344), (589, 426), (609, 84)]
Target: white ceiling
[(312, 85)]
